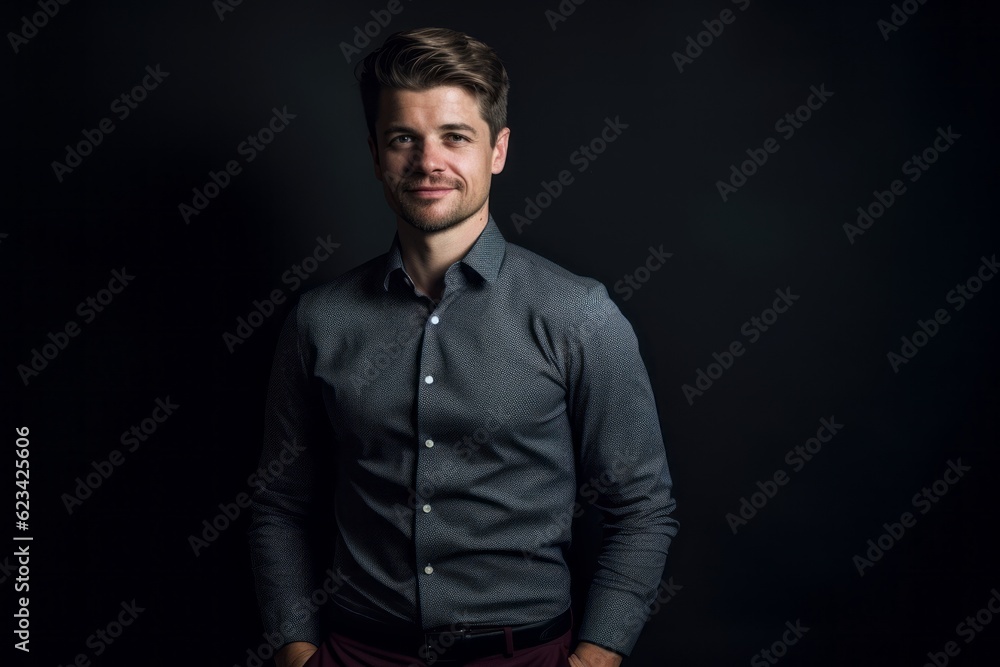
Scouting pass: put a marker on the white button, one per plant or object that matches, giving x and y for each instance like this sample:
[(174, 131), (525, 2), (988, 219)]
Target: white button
[(428, 570), (428, 443), (435, 319), (427, 509), (428, 379)]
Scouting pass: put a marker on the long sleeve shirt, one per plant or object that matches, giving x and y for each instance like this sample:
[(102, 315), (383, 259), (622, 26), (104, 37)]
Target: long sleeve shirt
[(445, 448)]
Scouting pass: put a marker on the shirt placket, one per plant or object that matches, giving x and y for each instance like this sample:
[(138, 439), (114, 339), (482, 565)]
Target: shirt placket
[(431, 379)]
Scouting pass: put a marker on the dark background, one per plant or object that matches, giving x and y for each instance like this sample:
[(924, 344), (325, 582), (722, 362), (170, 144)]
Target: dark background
[(656, 184)]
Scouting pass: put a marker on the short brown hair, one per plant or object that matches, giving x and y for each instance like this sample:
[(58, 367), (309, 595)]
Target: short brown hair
[(427, 57)]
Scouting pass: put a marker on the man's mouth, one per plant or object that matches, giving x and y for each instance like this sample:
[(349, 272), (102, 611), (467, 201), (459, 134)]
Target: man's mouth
[(430, 192)]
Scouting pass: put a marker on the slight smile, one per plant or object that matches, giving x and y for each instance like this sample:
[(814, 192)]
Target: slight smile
[(430, 193)]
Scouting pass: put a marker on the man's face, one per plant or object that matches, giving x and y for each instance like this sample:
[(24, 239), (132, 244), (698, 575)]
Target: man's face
[(433, 156)]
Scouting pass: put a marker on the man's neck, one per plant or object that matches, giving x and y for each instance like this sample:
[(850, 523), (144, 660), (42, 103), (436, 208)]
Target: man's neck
[(427, 255)]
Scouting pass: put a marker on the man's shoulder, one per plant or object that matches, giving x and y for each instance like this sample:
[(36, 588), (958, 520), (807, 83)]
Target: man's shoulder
[(535, 274), (348, 289)]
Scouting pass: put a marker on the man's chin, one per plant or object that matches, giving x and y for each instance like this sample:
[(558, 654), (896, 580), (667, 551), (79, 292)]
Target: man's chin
[(427, 221), (431, 224)]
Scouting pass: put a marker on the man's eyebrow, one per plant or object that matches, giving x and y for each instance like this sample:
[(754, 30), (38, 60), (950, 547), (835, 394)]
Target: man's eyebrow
[(459, 126), (451, 127), (393, 129)]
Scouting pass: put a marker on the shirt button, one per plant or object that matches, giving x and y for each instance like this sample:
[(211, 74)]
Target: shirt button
[(428, 570), (429, 379), (427, 509), (435, 319), (428, 443)]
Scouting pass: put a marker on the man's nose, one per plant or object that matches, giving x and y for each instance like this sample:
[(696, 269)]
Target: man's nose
[(428, 158)]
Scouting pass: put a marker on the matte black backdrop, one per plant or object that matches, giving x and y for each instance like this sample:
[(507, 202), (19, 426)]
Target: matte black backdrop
[(222, 73)]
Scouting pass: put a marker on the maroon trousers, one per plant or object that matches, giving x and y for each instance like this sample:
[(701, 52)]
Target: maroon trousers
[(341, 651)]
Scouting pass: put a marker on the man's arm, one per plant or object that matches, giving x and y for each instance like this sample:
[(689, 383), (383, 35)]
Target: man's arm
[(621, 455), (282, 546)]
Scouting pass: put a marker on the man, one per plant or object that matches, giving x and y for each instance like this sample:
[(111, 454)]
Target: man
[(446, 399)]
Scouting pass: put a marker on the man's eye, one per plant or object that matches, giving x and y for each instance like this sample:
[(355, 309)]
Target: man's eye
[(458, 137), (401, 139)]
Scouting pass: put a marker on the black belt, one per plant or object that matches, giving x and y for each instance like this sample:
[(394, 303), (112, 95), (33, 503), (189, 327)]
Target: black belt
[(456, 644)]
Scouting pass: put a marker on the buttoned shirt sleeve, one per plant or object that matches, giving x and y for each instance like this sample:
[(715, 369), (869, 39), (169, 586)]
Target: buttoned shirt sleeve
[(622, 470), (284, 557)]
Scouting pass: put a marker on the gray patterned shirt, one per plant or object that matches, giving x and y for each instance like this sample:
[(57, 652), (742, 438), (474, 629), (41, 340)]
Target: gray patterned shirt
[(446, 447)]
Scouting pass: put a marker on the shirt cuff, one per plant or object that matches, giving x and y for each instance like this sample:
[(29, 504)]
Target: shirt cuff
[(613, 619)]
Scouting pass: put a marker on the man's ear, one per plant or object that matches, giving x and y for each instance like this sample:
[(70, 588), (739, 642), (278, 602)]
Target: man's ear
[(500, 150), (374, 151)]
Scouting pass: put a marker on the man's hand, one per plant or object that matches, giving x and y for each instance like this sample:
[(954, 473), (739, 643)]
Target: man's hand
[(294, 654), (592, 655)]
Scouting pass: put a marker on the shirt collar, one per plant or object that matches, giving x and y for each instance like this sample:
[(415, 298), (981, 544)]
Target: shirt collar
[(484, 257)]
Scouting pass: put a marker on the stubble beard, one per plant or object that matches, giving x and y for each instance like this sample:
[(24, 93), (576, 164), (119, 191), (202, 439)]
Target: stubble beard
[(419, 214)]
